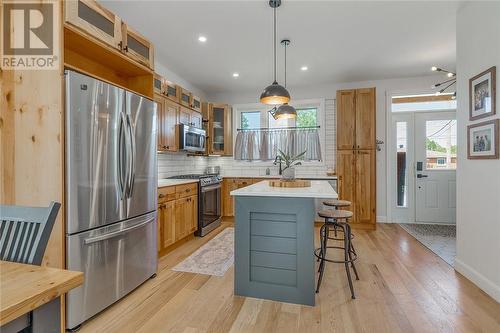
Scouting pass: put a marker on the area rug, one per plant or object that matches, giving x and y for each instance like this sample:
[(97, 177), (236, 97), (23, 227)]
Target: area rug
[(440, 239), (213, 258)]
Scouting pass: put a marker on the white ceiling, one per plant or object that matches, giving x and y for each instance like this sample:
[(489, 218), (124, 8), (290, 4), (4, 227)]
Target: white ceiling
[(340, 41)]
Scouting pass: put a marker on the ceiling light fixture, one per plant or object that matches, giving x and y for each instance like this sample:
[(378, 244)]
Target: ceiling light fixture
[(447, 83), (202, 39), (304, 68), (285, 111), (236, 75), (274, 94)]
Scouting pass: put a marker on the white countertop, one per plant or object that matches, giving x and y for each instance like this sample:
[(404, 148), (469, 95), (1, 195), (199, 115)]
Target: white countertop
[(320, 189), (278, 176), (173, 182)]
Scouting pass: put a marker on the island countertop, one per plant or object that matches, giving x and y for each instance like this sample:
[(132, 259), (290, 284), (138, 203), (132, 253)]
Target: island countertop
[(319, 189)]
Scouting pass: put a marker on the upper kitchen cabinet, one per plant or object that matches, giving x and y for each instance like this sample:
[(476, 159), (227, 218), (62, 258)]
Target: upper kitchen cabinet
[(158, 85), (190, 117), (346, 119), (365, 118), (167, 112), (172, 91), (95, 20), (185, 98), (101, 24), (196, 103), (220, 129), (137, 47), (356, 119)]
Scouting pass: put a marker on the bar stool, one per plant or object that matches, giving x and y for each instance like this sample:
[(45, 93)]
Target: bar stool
[(336, 204), (332, 218)]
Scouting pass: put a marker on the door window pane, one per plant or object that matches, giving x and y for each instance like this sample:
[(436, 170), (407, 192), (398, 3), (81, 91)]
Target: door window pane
[(401, 162), (441, 144), (250, 120)]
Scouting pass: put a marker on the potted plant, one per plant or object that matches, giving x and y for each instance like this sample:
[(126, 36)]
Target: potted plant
[(288, 172)]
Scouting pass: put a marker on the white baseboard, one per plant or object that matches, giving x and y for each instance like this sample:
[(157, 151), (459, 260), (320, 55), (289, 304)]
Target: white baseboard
[(381, 219), (478, 279)]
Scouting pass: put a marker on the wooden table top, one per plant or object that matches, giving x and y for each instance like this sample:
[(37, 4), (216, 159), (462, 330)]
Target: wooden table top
[(23, 287)]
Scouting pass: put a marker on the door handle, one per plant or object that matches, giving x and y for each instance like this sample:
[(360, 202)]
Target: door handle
[(148, 219), (132, 157), (419, 175)]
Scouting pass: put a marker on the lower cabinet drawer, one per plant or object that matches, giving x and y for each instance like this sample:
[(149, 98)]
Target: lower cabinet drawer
[(166, 194), (182, 191)]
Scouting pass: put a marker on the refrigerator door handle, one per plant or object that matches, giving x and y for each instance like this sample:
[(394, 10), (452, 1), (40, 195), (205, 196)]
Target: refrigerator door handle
[(121, 156), (113, 234), (132, 155)]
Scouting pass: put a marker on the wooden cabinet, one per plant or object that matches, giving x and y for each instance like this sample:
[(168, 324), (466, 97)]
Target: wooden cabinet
[(177, 214), (195, 103), (137, 47), (365, 186), (166, 220), (158, 85), (167, 112), (103, 25), (346, 175), (196, 119), (189, 117), (346, 119), (365, 119), (220, 126), (228, 185), (172, 91), (95, 20), (186, 216), (185, 98), (356, 153)]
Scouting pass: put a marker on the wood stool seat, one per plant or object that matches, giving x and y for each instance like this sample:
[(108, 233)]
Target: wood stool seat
[(337, 203), (335, 214)]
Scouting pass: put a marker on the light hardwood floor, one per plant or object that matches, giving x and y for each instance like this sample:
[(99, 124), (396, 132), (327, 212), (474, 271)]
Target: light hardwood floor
[(403, 287)]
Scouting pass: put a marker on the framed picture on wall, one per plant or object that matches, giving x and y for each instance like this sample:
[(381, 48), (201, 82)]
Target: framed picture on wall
[(482, 94), (482, 140)]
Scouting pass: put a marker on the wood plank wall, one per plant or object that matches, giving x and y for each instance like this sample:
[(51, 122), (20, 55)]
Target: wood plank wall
[(32, 143)]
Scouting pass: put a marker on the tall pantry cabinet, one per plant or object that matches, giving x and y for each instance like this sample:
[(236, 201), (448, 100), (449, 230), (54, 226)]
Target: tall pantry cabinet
[(356, 153)]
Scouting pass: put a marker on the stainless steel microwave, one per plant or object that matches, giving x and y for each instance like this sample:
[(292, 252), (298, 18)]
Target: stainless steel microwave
[(192, 138)]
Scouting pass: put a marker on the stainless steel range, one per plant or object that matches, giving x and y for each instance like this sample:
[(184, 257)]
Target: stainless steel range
[(209, 201)]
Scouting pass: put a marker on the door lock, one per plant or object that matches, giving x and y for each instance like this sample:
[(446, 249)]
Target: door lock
[(422, 176)]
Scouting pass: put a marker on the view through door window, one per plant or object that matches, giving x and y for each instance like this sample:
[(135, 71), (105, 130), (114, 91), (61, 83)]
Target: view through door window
[(441, 144)]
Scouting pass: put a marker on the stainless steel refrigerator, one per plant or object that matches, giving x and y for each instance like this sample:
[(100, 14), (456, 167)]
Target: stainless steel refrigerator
[(111, 184)]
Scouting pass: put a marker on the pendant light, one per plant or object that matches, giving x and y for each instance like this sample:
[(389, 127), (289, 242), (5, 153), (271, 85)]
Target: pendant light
[(285, 111), (274, 94)]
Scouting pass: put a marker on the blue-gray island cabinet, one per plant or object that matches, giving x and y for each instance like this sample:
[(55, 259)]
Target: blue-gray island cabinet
[(274, 241)]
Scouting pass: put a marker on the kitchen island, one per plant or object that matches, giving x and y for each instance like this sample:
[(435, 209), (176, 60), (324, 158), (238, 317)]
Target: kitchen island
[(274, 241)]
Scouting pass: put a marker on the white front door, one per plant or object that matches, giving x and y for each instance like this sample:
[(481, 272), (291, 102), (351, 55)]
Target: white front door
[(435, 167)]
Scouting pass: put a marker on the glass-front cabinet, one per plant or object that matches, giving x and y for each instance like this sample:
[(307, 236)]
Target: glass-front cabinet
[(220, 129)]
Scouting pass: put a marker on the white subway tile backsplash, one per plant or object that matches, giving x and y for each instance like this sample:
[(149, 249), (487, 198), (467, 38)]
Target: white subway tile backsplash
[(172, 164)]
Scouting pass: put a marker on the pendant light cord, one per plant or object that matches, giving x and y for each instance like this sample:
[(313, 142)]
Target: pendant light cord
[(275, 61), (285, 63)]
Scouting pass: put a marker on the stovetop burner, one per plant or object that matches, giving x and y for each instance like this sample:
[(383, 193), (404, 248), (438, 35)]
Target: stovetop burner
[(205, 179)]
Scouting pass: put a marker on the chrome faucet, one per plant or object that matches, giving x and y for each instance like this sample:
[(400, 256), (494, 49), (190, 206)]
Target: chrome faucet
[(278, 161)]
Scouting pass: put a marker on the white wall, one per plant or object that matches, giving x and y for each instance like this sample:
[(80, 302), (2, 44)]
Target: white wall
[(404, 85), (174, 77), (478, 181)]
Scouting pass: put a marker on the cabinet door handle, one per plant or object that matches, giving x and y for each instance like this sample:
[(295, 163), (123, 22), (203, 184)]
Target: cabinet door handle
[(120, 45), (125, 48)]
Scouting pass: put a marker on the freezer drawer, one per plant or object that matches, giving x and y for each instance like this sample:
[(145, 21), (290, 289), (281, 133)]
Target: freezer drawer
[(114, 259)]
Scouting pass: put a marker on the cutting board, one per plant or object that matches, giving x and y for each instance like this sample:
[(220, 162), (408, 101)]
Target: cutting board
[(290, 183)]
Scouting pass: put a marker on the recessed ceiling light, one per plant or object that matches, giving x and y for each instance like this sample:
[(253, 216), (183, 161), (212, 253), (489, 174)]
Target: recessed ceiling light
[(304, 68), (202, 39), (236, 74)]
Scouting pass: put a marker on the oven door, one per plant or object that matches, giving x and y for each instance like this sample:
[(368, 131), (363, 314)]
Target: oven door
[(210, 205)]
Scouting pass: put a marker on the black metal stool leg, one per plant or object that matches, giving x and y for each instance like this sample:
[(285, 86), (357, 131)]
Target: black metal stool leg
[(323, 251), (351, 247), (347, 240)]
